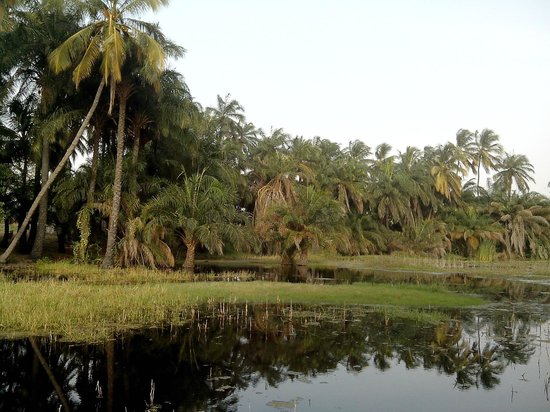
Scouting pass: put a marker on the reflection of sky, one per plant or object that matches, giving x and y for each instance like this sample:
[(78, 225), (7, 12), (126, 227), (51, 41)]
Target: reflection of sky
[(399, 389)]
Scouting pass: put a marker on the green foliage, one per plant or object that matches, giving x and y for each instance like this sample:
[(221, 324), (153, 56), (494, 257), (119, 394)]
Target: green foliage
[(303, 194)]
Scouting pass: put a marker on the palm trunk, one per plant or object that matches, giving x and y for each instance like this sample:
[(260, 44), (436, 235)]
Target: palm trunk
[(95, 162), (84, 218), (135, 157), (303, 258), (287, 258), (110, 354), (189, 264), (53, 176), (34, 221), (20, 217), (38, 246), (57, 387), (6, 238), (478, 176), (108, 260)]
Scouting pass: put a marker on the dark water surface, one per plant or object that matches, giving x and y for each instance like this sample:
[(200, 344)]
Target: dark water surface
[(282, 358)]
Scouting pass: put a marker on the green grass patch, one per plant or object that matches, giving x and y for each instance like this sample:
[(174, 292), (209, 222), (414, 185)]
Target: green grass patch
[(79, 311)]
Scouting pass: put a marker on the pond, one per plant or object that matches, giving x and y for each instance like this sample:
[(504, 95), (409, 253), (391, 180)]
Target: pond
[(294, 358), (495, 288)]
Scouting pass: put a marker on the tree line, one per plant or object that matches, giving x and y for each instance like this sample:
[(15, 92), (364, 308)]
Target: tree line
[(164, 176)]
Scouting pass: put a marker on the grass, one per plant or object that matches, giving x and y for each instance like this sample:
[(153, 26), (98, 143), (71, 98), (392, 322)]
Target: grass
[(92, 274), (80, 311)]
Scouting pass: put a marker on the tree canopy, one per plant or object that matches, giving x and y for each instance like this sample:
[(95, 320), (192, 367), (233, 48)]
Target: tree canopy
[(162, 178)]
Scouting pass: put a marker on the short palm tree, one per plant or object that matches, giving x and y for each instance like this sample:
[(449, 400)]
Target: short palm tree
[(526, 222), (315, 219), (202, 211), (468, 228)]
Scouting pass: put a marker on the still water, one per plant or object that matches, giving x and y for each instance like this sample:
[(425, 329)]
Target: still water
[(294, 358)]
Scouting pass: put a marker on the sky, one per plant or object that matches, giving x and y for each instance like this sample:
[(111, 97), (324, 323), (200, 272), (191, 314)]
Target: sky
[(404, 72)]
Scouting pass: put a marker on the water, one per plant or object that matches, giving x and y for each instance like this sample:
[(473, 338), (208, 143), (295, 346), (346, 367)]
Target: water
[(517, 288), (282, 358)]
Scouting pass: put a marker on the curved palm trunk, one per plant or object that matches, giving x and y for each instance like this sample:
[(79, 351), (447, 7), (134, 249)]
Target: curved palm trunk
[(53, 176), (109, 259), (38, 246), (57, 387), (189, 264)]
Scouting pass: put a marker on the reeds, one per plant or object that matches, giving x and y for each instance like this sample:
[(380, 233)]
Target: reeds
[(76, 310)]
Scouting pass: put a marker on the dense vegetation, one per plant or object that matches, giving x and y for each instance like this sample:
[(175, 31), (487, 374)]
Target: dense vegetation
[(164, 176)]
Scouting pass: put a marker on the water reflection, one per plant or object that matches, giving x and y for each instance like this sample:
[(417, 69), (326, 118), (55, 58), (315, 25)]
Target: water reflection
[(243, 358), (496, 288)]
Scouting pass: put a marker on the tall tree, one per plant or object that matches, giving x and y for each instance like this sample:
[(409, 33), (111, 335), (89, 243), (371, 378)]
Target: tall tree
[(514, 169), (110, 36), (488, 151)]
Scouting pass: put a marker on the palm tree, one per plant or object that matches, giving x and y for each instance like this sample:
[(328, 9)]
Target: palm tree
[(6, 9), (202, 211), (526, 222), (447, 180), (106, 38), (514, 168), (315, 219), (465, 151), (470, 228), (488, 151), (115, 37)]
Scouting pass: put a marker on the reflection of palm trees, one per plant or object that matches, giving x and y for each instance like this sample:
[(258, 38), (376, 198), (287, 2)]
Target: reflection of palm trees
[(203, 365)]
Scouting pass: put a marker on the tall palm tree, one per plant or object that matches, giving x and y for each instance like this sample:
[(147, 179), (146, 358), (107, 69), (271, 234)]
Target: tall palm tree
[(487, 151), (447, 179), (113, 37), (514, 169), (106, 38), (465, 150)]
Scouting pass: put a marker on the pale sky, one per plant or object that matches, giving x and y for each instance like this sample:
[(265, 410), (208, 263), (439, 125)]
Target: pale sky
[(405, 72)]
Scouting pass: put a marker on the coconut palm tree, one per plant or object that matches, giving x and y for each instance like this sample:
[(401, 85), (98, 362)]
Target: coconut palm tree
[(107, 38), (487, 151), (447, 179), (202, 211), (465, 151), (514, 169), (113, 38)]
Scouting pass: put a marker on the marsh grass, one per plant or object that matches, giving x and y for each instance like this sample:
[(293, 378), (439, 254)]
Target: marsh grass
[(79, 311), (92, 274)]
